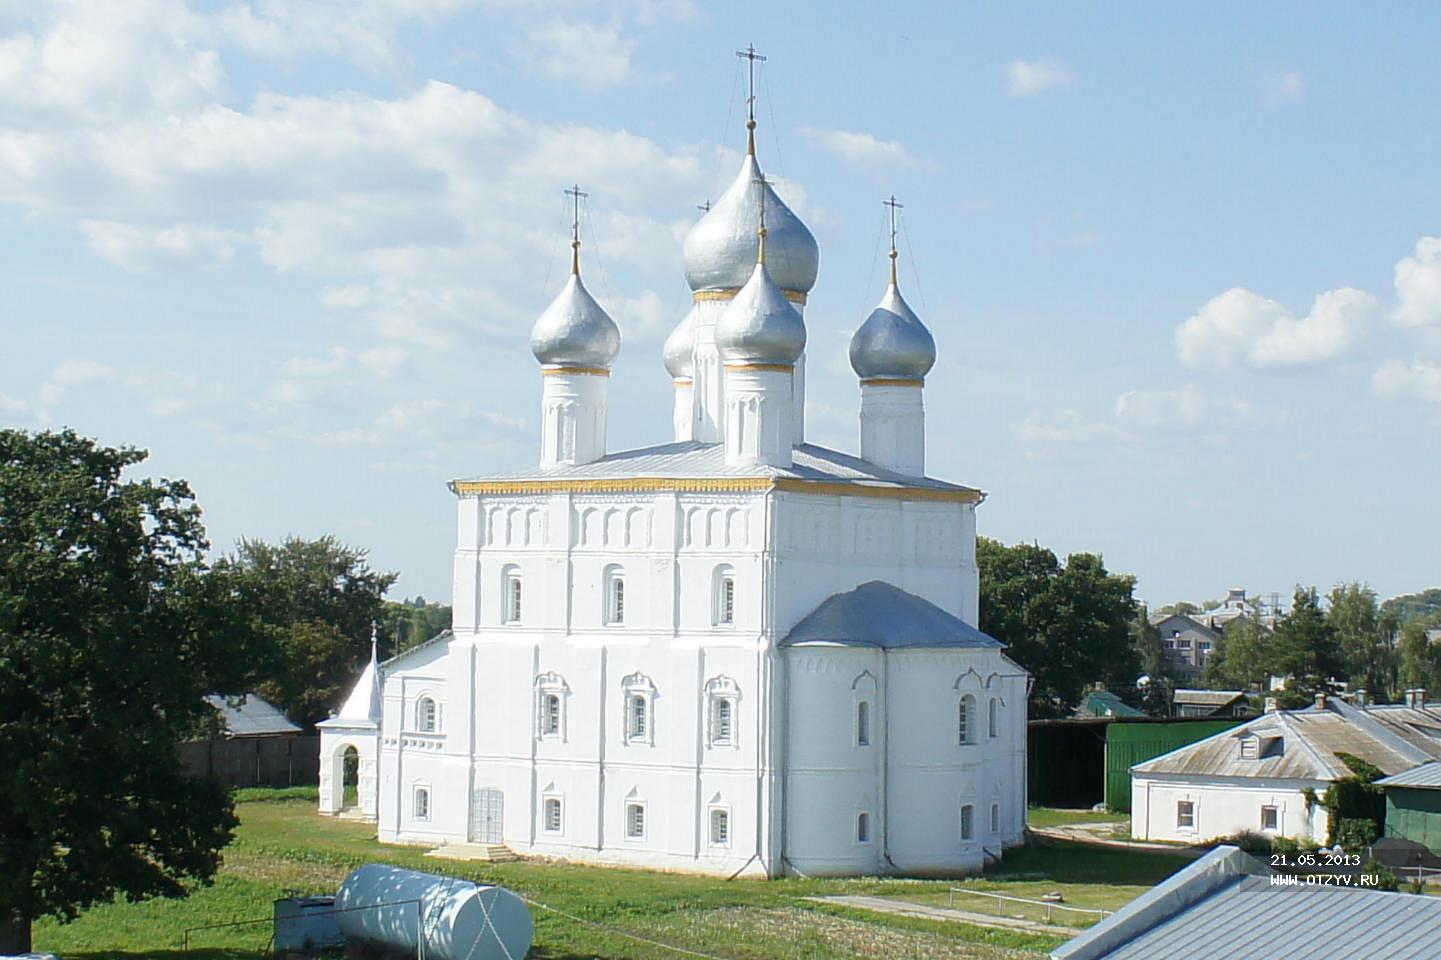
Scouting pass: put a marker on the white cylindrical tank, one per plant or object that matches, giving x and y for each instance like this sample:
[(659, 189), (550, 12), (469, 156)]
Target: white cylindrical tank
[(458, 920)]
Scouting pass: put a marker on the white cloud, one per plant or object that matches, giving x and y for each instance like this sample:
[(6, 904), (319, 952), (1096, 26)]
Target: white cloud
[(642, 319), (587, 53), (137, 248), (1284, 87), (1026, 78), (1186, 411), (862, 148), (1418, 286), (1240, 326), (1416, 380), (1067, 426)]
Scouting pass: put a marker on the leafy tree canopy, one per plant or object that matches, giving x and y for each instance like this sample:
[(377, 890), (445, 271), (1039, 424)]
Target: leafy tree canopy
[(1069, 625), (1307, 644), (111, 633), (411, 622), (1425, 605)]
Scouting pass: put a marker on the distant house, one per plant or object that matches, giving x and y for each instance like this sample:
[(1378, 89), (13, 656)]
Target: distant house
[(1227, 905), (1413, 805), (251, 716), (1203, 704), (1104, 703), (1186, 643), (258, 747), (1256, 776)]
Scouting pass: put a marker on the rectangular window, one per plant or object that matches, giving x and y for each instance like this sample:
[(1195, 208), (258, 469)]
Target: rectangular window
[(635, 821), (995, 718), (1185, 814), (552, 815), (1169, 644), (720, 828), (636, 720), (968, 822), (422, 803), (616, 611), (550, 716), (1249, 748), (963, 723), (722, 721), (1270, 818), (863, 724), (727, 612), (863, 828), (512, 600), (995, 818), (1185, 643)]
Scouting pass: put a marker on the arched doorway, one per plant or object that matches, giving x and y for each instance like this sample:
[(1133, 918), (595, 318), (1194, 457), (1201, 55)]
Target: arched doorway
[(349, 778)]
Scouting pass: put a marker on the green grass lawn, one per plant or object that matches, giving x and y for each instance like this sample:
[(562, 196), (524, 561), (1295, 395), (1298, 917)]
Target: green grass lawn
[(1062, 817), (284, 847)]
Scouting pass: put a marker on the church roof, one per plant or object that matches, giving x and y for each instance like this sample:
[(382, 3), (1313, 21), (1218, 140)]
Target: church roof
[(877, 614), (692, 460)]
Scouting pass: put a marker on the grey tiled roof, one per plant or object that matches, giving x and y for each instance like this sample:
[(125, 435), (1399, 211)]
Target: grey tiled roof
[(255, 717), (877, 614), (691, 459)]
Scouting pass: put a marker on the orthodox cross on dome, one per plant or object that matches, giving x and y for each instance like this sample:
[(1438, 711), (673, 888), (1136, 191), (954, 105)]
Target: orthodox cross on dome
[(576, 196), (703, 207), (749, 54), (895, 206), (372, 641)]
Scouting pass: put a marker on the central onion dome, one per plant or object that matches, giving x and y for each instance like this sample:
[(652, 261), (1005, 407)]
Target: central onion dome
[(893, 343), (760, 325), (679, 349), (720, 250), (575, 331)]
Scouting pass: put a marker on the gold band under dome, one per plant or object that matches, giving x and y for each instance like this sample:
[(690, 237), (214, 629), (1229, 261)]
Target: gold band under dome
[(565, 371), (893, 382), (773, 367), (729, 293)]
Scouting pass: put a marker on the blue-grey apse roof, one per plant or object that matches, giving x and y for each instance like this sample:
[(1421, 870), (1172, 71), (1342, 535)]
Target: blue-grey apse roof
[(877, 614)]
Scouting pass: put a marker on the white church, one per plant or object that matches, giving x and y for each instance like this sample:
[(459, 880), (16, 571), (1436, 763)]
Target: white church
[(735, 652)]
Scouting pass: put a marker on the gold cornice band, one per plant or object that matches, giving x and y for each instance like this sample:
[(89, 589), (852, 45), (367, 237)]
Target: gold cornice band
[(729, 293), (714, 485), (773, 367), (683, 381), (892, 382), (563, 371)]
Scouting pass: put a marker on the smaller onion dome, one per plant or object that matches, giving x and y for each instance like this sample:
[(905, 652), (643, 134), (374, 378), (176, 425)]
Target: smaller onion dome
[(575, 331), (760, 325), (679, 349), (893, 343), (720, 249)]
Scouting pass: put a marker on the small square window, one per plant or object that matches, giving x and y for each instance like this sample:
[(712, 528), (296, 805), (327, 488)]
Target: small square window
[(1270, 818), (635, 821), (1186, 814), (552, 815), (720, 828)]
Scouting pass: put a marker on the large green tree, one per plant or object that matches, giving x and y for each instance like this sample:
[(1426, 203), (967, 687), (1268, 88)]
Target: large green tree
[(319, 598), (1366, 637), (111, 633), (1420, 660), (1307, 646), (1244, 656), (411, 622), (1069, 625)]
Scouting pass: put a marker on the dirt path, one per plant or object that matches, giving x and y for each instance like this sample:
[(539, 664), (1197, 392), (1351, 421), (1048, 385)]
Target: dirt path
[(1100, 834), (905, 909)]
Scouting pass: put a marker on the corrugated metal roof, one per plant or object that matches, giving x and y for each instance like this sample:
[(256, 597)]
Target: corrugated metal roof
[(250, 716), (1216, 698), (877, 614), (1309, 743), (1225, 906), (1427, 776), (692, 459)]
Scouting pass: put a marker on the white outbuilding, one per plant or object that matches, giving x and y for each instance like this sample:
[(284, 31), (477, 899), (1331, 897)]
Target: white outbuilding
[(733, 652)]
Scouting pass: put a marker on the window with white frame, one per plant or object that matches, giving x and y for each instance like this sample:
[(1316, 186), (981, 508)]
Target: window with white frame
[(512, 595), (1270, 817), (635, 820), (723, 600), (614, 596), (1186, 814), (720, 827), (1249, 749), (639, 701), (420, 807), (968, 821), (722, 706), (863, 723), (427, 715), (966, 720), (994, 718), (863, 827), (553, 812), (550, 696), (995, 818)]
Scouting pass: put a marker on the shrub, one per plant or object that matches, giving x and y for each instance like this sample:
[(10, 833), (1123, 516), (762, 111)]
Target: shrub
[(1355, 833), (1285, 845), (1252, 842), (1383, 878)]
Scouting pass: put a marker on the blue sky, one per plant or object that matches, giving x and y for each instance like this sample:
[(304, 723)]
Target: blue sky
[(1181, 261)]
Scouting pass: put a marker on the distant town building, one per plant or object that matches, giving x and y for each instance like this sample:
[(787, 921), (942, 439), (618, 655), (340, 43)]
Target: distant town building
[(1104, 703), (1205, 704)]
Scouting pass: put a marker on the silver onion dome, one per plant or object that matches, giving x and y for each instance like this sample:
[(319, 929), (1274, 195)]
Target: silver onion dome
[(720, 250), (760, 325), (575, 331), (893, 342), (679, 349)]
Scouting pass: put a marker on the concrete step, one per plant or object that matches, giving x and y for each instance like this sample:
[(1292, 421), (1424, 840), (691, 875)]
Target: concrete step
[(492, 852)]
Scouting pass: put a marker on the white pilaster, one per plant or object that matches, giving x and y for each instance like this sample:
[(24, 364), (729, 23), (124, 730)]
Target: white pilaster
[(684, 418), (893, 425), (572, 411), (709, 385), (760, 414)]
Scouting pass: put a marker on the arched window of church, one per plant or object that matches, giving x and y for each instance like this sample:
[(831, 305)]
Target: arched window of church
[(863, 724), (722, 721), (968, 822), (427, 715), (722, 699), (614, 595), (863, 828), (995, 717), (720, 827), (995, 818), (550, 719), (550, 693), (723, 602), (637, 717), (512, 595), (422, 803), (638, 721), (966, 720)]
